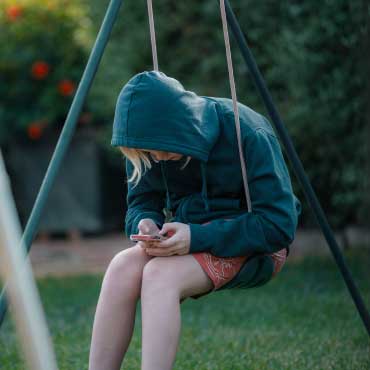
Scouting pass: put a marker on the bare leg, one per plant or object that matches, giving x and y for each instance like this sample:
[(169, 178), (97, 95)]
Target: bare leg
[(115, 313), (165, 281)]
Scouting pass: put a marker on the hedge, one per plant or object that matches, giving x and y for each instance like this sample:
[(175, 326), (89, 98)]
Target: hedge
[(42, 56)]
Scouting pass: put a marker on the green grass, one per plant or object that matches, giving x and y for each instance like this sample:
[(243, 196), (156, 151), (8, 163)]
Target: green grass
[(304, 319)]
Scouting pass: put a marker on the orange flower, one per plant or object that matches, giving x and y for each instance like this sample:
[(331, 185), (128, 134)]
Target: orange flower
[(40, 70), (66, 87), (35, 130), (14, 12)]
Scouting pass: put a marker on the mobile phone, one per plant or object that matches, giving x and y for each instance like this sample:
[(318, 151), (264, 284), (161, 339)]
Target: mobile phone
[(146, 238)]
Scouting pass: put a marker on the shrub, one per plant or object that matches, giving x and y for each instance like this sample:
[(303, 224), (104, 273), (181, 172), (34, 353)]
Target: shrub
[(42, 57)]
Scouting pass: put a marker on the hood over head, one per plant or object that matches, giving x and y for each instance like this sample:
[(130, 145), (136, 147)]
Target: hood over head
[(155, 112)]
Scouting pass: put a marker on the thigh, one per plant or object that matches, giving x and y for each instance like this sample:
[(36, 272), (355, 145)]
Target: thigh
[(182, 273)]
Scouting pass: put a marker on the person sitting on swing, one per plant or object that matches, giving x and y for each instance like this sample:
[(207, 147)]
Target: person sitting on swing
[(185, 185)]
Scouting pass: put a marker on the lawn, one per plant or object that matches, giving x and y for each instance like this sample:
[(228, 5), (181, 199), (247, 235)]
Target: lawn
[(304, 319)]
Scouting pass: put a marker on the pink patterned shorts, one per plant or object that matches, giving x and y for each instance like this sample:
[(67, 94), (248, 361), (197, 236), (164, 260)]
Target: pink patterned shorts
[(221, 270)]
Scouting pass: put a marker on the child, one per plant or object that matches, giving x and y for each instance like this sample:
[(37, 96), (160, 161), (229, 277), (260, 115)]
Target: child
[(184, 181)]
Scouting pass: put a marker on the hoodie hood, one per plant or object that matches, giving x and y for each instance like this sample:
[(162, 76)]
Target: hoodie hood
[(155, 112)]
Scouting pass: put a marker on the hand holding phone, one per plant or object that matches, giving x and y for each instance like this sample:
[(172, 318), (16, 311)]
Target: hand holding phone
[(146, 237), (147, 229)]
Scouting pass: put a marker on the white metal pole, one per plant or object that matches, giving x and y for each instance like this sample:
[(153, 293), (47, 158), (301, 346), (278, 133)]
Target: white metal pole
[(21, 290)]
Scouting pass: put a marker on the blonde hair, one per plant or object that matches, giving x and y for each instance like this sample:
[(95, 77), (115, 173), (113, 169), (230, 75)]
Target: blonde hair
[(141, 162)]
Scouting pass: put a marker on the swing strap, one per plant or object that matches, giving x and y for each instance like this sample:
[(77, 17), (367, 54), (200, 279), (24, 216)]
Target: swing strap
[(231, 81), (235, 103), (152, 34)]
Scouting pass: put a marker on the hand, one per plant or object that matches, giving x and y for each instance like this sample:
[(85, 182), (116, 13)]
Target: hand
[(177, 244), (147, 226)]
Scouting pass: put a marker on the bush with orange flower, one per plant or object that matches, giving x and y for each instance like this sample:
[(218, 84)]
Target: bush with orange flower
[(43, 53)]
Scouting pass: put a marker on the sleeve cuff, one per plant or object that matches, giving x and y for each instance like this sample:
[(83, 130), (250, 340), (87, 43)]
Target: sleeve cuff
[(198, 237)]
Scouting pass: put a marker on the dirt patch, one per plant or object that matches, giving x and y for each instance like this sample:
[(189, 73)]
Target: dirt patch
[(74, 257)]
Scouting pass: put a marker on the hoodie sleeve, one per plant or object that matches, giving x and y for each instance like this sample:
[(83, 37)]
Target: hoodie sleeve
[(272, 223), (142, 202)]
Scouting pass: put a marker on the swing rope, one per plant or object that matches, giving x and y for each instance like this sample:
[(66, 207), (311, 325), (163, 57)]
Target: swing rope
[(231, 81), (152, 34), (235, 103)]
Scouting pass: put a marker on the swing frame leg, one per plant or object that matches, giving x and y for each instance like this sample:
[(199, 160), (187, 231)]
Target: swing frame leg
[(67, 133), (297, 165), (22, 291)]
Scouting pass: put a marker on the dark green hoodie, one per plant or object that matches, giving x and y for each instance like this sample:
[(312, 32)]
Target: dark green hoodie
[(155, 112)]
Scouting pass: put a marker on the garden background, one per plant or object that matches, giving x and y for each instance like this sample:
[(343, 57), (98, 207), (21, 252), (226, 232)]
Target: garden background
[(315, 58)]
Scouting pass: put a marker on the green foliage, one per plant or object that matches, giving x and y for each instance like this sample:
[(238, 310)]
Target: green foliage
[(323, 54), (313, 56), (42, 57)]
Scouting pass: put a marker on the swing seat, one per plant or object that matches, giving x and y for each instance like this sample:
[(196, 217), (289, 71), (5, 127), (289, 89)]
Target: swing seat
[(255, 272)]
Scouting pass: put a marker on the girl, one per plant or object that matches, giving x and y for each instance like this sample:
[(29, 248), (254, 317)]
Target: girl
[(184, 180)]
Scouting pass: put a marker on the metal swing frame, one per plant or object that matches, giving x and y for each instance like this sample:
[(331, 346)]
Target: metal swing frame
[(75, 110), (22, 292)]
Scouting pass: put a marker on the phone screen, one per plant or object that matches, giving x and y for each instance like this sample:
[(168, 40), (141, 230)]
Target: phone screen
[(146, 238)]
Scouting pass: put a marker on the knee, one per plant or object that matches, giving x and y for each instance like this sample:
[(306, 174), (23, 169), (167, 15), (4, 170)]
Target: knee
[(125, 270), (158, 277)]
